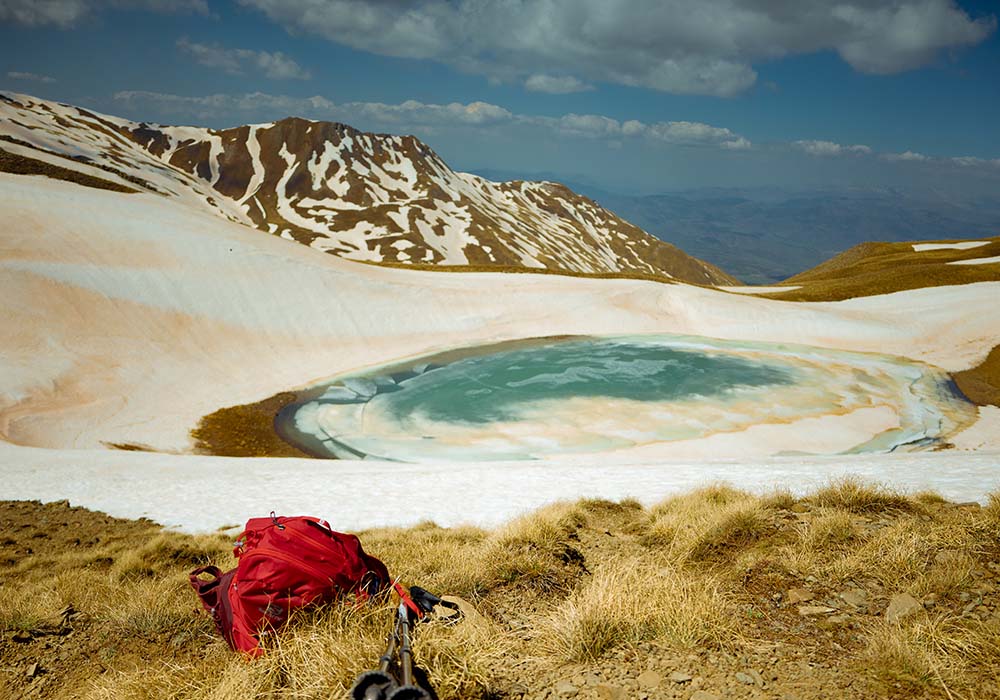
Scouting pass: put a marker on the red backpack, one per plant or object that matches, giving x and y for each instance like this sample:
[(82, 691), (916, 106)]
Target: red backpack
[(284, 563)]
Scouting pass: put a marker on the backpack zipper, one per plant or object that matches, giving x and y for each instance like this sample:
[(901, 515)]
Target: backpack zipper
[(278, 554)]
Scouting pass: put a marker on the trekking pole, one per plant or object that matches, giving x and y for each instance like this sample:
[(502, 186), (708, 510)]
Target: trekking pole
[(390, 682), (377, 684), (406, 691)]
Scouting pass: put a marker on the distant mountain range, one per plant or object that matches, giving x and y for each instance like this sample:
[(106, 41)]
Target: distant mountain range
[(765, 235), (368, 197)]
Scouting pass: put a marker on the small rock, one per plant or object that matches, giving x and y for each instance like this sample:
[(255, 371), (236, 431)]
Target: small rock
[(856, 597), (466, 611), (810, 610), (565, 689), (946, 556), (901, 605), (969, 505), (971, 606), (744, 678), (704, 695), (680, 677), (649, 679), (610, 692), (795, 596), (33, 670)]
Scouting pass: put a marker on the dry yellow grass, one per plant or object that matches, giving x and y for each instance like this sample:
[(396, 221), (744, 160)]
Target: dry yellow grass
[(883, 268), (591, 587), (626, 602)]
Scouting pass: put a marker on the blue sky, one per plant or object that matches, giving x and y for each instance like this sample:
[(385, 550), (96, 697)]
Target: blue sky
[(637, 96)]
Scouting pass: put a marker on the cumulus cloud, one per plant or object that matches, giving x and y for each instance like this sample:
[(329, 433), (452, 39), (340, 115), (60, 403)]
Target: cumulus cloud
[(427, 118), (208, 106), (239, 61), (66, 13), (972, 162), (696, 133), (562, 85), (413, 114), (896, 36), (679, 133), (670, 45), (35, 77), (904, 157), (829, 148)]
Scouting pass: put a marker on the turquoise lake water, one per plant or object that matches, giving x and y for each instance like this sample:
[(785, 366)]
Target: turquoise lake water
[(530, 400), (495, 387)]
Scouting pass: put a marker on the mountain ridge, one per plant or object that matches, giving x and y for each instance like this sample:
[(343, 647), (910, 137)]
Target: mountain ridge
[(368, 197)]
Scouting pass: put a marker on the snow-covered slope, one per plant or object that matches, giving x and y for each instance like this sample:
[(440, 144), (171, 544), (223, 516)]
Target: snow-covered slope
[(128, 317), (362, 196)]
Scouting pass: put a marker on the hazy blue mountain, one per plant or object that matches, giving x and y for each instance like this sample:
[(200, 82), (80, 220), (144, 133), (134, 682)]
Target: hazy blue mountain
[(763, 235)]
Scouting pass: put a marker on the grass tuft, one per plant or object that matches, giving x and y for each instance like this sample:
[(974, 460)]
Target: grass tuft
[(853, 495), (624, 604), (733, 533)]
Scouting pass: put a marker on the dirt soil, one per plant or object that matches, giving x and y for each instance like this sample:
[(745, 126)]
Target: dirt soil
[(67, 650)]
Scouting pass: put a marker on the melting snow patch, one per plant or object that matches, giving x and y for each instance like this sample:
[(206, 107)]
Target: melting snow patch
[(759, 290), (964, 245), (976, 261)]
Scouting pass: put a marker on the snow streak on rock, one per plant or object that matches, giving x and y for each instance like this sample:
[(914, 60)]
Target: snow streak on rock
[(361, 196)]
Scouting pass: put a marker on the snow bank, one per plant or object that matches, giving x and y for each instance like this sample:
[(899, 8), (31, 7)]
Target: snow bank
[(964, 245), (128, 317), (198, 494)]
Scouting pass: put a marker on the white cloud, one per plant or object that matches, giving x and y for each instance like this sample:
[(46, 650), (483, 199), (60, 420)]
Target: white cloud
[(972, 161), (208, 106), (66, 13), (35, 77), (677, 46), (413, 115), (413, 112), (906, 156), (239, 61), (829, 148), (424, 118), (563, 85), (897, 36), (696, 133)]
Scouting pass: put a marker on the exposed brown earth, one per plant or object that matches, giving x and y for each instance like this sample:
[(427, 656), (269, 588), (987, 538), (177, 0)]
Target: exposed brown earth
[(245, 431), (981, 384), (22, 165), (852, 592)]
